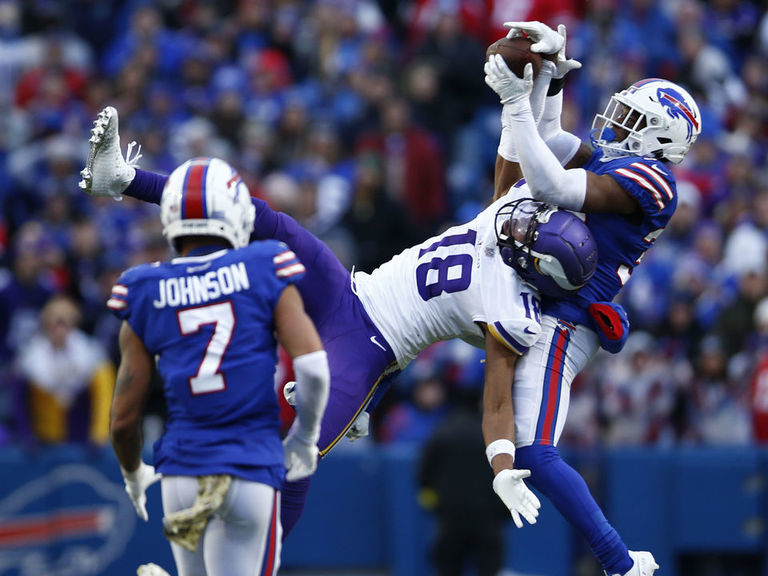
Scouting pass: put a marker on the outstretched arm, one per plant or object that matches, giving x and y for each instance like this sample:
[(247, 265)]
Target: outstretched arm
[(499, 432)]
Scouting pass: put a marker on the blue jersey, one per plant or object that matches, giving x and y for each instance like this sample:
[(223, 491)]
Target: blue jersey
[(209, 321), (621, 240)]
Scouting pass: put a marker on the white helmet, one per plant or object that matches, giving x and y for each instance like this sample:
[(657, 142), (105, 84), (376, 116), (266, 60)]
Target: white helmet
[(207, 197), (659, 118)]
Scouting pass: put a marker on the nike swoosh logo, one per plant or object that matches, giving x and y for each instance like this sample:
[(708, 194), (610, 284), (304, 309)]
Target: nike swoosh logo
[(529, 331), (373, 339), (658, 169)]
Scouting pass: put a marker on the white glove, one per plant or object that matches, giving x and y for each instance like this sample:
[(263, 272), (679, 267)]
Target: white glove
[(300, 457), (359, 428), (511, 89), (136, 484), (545, 40), (509, 486), (563, 64)]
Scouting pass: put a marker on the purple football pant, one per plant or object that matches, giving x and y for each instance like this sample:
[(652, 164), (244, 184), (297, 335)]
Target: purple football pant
[(356, 363)]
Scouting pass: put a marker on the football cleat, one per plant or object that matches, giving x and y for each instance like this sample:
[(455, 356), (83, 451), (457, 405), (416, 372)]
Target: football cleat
[(107, 172), (151, 570), (644, 564)]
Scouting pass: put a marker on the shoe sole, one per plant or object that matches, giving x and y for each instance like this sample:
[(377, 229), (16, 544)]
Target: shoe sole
[(100, 126)]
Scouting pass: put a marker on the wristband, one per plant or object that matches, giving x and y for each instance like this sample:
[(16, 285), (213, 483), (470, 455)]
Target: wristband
[(500, 446), (556, 86)]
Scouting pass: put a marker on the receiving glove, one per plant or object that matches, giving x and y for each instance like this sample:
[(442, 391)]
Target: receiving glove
[(545, 40), (610, 322), (300, 457), (512, 90), (509, 486), (136, 484)]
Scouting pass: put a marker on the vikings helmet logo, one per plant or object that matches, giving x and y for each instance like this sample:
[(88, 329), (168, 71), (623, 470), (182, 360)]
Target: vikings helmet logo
[(675, 105)]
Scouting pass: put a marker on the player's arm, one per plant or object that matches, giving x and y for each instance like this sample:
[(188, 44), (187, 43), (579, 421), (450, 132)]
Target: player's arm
[(548, 181), (297, 333), (498, 427), (131, 390)]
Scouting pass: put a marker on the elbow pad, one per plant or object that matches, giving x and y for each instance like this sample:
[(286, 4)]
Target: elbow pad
[(312, 386)]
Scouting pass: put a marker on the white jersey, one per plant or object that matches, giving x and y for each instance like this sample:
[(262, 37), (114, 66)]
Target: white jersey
[(442, 288)]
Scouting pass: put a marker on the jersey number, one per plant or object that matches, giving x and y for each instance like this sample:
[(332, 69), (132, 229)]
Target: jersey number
[(450, 274), (208, 378), (624, 271)]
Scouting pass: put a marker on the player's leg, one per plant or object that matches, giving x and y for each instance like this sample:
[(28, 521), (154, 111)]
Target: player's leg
[(244, 536), (179, 493), (541, 395), (358, 357)]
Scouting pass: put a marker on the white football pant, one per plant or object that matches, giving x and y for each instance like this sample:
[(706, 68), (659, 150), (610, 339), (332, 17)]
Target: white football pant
[(243, 538), (542, 385)]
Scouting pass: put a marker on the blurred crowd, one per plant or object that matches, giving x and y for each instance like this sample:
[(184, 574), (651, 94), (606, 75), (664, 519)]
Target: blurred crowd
[(370, 123)]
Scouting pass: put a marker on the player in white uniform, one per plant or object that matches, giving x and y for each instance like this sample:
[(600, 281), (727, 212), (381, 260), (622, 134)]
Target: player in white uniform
[(460, 285), (453, 285), (627, 192)]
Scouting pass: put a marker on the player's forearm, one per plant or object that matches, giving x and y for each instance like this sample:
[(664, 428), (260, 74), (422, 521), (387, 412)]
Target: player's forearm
[(547, 180), (312, 387), (505, 174)]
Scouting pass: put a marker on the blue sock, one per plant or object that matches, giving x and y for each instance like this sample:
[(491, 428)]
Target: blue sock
[(566, 489)]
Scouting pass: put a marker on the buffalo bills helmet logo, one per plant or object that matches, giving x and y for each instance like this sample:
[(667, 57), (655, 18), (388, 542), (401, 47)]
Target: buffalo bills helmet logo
[(675, 105)]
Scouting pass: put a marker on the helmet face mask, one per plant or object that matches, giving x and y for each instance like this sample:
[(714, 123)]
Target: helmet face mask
[(551, 249), (653, 117), (206, 197)]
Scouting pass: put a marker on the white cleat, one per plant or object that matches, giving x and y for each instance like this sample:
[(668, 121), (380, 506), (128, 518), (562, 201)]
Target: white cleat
[(107, 172), (644, 564), (151, 570)]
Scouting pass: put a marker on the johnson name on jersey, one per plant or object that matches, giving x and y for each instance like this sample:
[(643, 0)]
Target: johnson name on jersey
[(441, 289), (622, 240), (209, 321)]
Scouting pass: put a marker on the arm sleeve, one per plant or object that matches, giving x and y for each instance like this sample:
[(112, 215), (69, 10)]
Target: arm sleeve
[(563, 145), (547, 179), (312, 385)]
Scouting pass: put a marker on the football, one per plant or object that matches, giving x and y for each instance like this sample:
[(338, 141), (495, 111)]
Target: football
[(516, 53)]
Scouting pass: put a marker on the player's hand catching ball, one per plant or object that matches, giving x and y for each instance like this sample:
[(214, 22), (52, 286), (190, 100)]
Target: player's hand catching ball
[(509, 486), (545, 40), (511, 89)]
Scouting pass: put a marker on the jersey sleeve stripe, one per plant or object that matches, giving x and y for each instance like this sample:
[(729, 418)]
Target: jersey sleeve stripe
[(656, 176), (120, 290), (284, 256), (644, 183), (116, 304), (498, 332), (290, 270)]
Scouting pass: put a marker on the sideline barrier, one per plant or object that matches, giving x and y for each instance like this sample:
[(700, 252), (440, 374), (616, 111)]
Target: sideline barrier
[(63, 512)]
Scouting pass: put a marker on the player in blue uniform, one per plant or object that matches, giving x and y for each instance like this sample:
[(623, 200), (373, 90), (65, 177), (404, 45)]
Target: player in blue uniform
[(627, 192), (212, 318), (372, 325)]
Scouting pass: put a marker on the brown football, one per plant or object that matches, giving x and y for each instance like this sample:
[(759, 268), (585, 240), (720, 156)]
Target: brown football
[(516, 53)]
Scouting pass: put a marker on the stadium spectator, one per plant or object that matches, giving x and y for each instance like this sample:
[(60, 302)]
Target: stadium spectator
[(68, 378)]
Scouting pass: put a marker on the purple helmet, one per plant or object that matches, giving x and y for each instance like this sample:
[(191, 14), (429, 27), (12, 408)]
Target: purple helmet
[(551, 249)]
